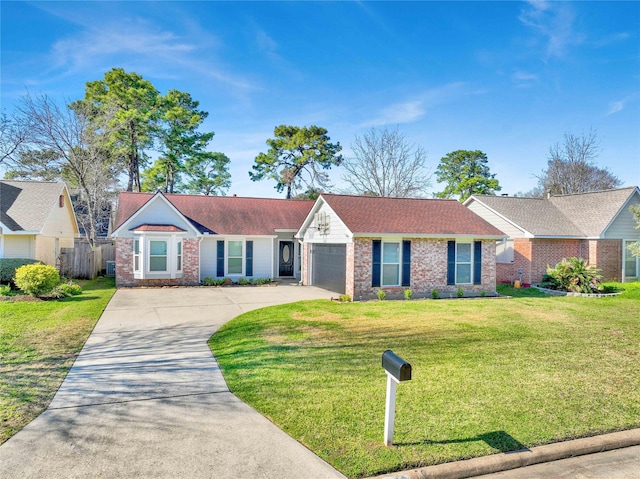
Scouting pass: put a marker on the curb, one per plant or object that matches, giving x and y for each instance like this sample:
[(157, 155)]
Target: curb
[(528, 457)]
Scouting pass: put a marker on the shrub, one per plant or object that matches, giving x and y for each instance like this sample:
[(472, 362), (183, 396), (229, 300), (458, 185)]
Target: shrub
[(5, 290), (244, 281), (435, 294), (574, 275), (8, 267), (36, 279), (68, 289), (483, 294), (407, 294), (345, 298), (460, 292), (381, 295), (213, 281), (262, 280)]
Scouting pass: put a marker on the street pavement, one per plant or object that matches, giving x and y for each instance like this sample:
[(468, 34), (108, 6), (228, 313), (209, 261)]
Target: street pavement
[(617, 464)]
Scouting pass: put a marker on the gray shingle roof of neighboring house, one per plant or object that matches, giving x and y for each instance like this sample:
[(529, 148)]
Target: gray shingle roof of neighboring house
[(26, 205), (579, 215)]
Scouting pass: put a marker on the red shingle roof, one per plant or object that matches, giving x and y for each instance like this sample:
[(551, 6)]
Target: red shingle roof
[(158, 228), (227, 215), (370, 214)]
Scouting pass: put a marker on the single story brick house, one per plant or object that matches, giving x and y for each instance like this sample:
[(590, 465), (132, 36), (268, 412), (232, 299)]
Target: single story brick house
[(597, 226), (358, 245), (348, 244), (173, 239), (36, 220)]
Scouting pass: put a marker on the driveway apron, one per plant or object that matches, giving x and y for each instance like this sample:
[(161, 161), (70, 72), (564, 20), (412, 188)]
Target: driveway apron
[(145, 398)]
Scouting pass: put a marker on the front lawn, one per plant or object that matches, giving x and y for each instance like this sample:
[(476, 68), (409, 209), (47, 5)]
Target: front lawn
[(489, 375), (38, 343)]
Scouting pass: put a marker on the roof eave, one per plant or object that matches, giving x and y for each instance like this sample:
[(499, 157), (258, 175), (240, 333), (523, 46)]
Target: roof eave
[(429, 235)]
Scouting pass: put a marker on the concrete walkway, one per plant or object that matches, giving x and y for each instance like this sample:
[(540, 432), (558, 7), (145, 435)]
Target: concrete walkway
[(145, 398)]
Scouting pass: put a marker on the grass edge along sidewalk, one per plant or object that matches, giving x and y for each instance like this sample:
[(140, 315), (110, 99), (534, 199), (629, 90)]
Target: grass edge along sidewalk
[(489, 376), (39, 341)]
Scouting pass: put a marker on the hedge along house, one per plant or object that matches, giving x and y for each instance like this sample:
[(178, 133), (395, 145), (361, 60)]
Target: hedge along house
[(597, 226), (172, 239), (358, 245), (36, 220)]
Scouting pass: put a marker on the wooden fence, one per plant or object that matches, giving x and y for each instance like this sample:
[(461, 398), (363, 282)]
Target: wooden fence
[(83, 262)]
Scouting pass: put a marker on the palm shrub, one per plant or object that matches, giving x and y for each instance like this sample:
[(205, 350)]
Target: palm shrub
[(36, 279), (574, 275)]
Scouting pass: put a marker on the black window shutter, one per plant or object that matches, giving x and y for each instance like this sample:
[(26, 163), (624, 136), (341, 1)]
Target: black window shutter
[(376, 247), (249, 262), (477, 262), (451, 262), (220, 259), (406, 263)]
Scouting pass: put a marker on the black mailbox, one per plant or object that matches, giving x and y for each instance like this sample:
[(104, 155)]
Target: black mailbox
[(396, 366)]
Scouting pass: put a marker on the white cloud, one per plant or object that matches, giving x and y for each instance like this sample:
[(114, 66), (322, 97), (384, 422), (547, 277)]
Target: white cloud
[(409, 111), (524, 79), (619, 105), (135, 43), (554, 24)]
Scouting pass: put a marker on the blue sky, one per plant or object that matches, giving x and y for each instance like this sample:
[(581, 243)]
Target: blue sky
[(507, 78)]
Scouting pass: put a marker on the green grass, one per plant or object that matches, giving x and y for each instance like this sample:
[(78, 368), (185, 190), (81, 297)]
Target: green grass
[(38, 343), (489, 375)]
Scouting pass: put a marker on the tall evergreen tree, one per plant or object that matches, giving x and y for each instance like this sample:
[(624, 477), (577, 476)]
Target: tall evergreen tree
[(297, 155), (132, 104), (466, 173)]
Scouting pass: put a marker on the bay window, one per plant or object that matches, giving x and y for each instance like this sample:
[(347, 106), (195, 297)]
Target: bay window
[(157, 256)]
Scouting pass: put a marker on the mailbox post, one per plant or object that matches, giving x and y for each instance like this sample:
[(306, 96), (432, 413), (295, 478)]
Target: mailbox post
[(397, 370)]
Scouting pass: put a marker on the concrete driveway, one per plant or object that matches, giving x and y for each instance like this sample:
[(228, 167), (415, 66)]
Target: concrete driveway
[(145, 398)]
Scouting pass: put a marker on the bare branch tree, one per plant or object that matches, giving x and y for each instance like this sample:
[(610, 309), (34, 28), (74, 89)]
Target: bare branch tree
[(571, 167), (13, 135), (79, 148), (385, 163)]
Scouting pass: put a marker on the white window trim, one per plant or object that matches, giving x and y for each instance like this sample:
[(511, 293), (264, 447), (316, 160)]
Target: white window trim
[(243, 257), (470, 262), (179, 254), (382, 263), (137, 255), (625, 252), (172, 258)]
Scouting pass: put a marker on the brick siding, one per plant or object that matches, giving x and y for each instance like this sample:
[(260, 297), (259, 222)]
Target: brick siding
[(124, 262), (428, 269), (190, 266), (533, 256), (606, 254)]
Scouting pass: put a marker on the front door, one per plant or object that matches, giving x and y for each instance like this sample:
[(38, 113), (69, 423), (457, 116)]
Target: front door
[(286, 258)]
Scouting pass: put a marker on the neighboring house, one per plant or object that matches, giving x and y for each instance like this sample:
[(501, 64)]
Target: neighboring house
[(598, 227), (36, 220), (172, 239), (358, 245)]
